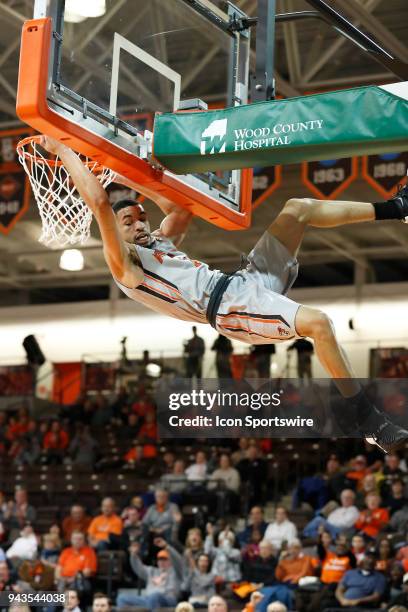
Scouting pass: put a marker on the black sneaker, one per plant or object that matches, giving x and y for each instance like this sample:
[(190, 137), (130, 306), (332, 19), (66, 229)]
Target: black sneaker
[(385, 434), (401, 198)]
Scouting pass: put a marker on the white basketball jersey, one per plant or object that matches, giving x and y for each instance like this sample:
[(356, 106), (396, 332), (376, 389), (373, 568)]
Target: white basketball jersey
[(173, 283)]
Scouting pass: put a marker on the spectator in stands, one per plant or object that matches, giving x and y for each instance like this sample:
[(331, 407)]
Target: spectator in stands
[(254, 472), (261, 356), (281, 531), (184, 606), (338, 521), (225, 557), (227, 474), (223, 350), (396, 500), (107, 524), (19, 512), (399, 521), (395, 584), (194, 351), (194, 546), (368, 485), (276, 606), (168, 460), (136, 502), (163, 582), (241, 453), (358, 547), (51, 549), (77, 520), (162, 518), (175, 482), (71, 601), (399, 596), (132, 527), (83, 448), (361, 587), (358, 469), (198, 471), (76, 565), (294, 564), (24, 547), (39, 575), (334, 565), (200, 582), (55, 443), (373, 519), (311, 490), (10, 582), (101, 603), (131, 427), (260, 568), (390, 471), (19, 426), (255, 524), (148, 431), (217, 604), (135, 458), (335, 478), (385, 556)]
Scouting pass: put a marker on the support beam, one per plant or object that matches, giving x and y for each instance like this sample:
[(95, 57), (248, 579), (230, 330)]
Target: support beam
[(374, 25), (292, 47), (325, 57), (108, 51)]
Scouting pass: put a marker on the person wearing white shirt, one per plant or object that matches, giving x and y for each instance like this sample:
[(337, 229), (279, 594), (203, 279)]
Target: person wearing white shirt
[(228, 474), (282, 530), (24, 547), (198, 470), (339, 520)]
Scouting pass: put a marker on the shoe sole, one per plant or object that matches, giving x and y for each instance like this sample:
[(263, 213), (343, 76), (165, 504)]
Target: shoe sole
[(390, 449)]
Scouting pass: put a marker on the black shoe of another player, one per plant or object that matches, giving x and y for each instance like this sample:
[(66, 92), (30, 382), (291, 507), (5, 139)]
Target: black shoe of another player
[(379, 430), (401, 199)]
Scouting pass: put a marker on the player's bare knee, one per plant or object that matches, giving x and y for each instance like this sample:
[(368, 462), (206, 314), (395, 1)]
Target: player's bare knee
[(313, 323), (321, 327), (298, 208)]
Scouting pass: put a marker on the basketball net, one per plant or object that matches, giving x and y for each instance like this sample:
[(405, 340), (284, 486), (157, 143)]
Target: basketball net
[(65, 217)]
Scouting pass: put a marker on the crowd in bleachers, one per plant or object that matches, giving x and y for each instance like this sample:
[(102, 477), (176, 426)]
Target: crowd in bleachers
[(94, 502)]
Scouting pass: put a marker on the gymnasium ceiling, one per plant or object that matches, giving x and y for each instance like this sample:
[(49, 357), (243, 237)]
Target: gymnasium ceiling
[(310, 56)]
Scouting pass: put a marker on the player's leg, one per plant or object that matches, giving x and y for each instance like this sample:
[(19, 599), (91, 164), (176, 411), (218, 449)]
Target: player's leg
[(373, 424), (299, 213)]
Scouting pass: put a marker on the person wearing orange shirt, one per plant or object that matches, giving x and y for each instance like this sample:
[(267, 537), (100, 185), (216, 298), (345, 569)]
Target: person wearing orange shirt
[(334, 564), (294, 565), (55, 443), (76, 564), (148, 431), (374, 518), (104, 526)]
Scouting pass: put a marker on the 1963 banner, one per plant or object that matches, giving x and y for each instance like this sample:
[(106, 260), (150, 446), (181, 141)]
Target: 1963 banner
[(14, 184)]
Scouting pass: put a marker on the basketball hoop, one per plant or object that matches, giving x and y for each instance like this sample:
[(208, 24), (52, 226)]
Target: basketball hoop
[(65, 217)]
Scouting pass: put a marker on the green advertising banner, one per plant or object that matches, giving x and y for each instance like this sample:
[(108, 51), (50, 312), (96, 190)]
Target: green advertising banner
[(359, 121)]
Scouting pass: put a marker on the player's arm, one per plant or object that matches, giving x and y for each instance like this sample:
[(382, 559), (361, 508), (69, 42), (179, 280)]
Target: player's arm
[(117, 256), (177, 219)]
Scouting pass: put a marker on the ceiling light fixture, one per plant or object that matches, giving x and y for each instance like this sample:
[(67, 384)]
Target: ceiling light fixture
[(79, 10), (71, 260)]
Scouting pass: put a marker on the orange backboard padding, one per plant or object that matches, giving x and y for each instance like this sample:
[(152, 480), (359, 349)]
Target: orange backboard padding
[(33, 109)]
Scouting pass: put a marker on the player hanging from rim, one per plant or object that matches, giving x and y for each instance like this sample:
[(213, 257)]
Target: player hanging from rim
[(250, 305)]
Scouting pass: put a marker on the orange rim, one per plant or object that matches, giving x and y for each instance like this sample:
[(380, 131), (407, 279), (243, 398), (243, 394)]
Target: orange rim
[(93, 166)]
